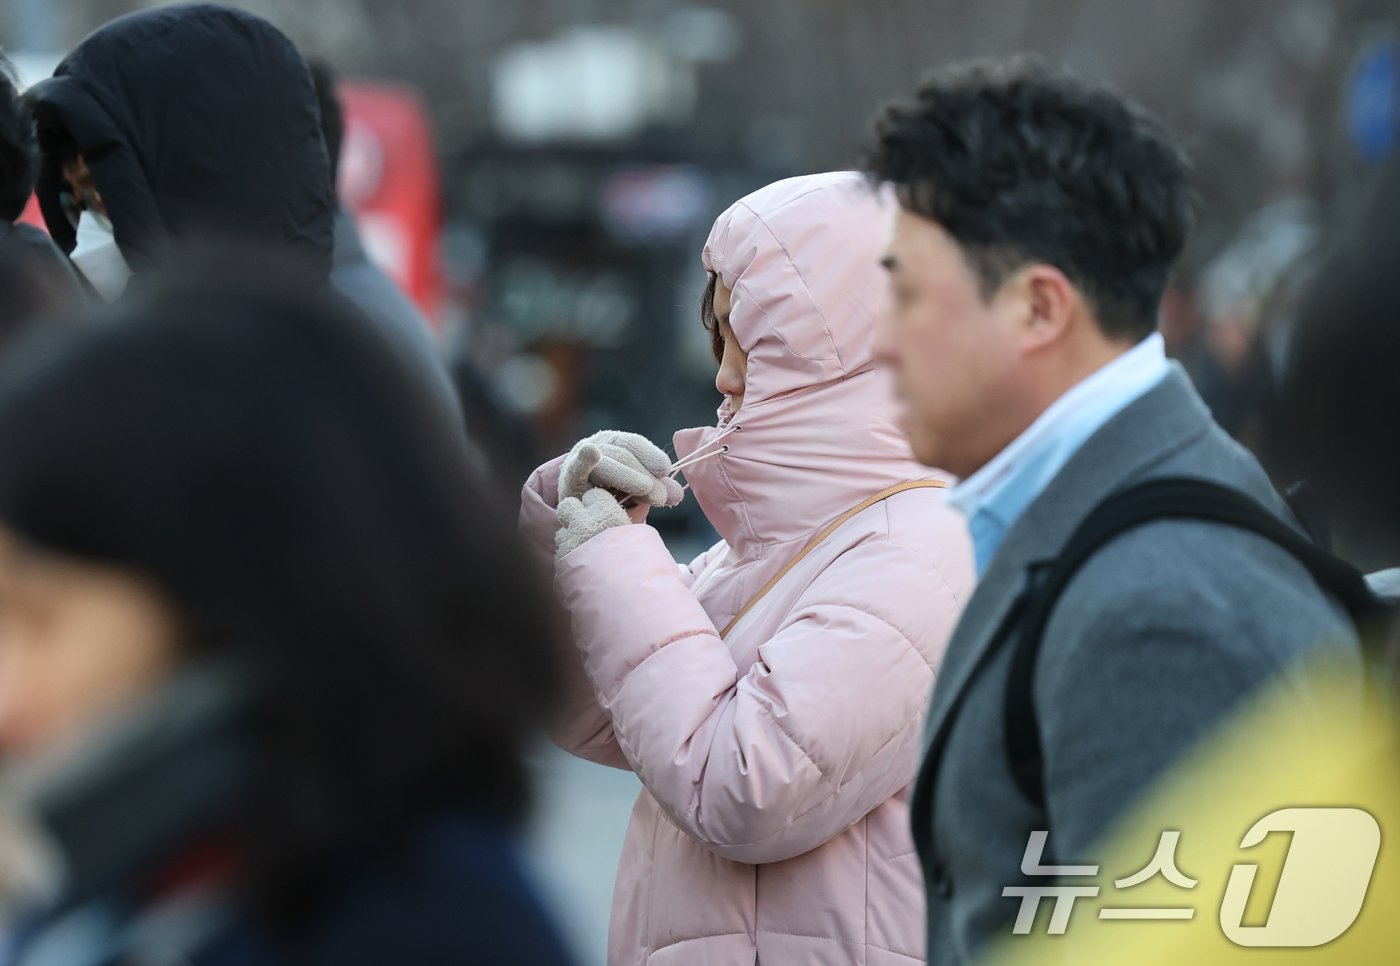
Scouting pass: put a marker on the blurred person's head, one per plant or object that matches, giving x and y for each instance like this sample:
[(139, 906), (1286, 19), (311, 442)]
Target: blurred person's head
[(324, 76), (1240, 286), (1038, 223), (243, 555), (19, 163), (1335, 424), (184, 122), (34, 279)]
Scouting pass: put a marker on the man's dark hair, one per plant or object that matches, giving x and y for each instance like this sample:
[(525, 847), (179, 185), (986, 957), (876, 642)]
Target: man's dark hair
[(323, 75), (19, 162), (1020, 165)]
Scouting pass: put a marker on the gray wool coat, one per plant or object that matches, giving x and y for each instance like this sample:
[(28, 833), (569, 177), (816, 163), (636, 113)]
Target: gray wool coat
[(1160, 635)]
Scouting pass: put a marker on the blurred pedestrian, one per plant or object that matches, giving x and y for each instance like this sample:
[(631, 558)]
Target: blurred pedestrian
[(352, 272), (769, 694), (268, 662), (179, 123), (1333, 425), (190, 122), (35, 277), (499, 436), (1039, 220)]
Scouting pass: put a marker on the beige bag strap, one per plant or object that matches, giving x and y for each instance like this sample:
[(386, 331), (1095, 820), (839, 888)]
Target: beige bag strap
[(828, 531)]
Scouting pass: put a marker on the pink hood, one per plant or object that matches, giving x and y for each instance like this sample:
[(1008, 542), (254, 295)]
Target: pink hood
[(819, 430)]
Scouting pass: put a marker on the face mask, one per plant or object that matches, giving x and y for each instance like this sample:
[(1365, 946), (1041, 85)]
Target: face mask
[(98, 257)]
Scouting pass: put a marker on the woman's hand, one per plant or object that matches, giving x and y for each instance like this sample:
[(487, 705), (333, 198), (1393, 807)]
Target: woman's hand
[(582, 519), (625, 464)]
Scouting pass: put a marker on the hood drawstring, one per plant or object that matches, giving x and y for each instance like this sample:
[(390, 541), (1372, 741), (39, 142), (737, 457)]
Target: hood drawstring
[(699, 456)]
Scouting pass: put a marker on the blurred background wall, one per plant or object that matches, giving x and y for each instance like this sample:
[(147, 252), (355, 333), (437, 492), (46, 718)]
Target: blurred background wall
[(581, 149), (585, 146)]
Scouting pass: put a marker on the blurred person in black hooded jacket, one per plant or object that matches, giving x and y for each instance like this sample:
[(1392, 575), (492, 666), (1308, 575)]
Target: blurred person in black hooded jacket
[(189, 122), (35, 277)]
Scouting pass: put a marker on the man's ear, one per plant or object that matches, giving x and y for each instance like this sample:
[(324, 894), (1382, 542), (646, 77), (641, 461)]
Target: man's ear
[(1050, 301)]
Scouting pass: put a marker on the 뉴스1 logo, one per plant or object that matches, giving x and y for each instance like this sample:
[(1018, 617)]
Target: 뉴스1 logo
[(1325, 875)]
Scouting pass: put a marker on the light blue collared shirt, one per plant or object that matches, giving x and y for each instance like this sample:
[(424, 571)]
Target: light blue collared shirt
[(995, 496)]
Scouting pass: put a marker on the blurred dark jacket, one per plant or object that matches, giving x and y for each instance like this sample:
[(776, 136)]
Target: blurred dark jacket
[(142, 819), (37, 279), (462, 898), (393, 312)]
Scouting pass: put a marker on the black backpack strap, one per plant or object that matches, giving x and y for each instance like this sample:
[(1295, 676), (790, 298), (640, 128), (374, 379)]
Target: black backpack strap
[(1169, 498)]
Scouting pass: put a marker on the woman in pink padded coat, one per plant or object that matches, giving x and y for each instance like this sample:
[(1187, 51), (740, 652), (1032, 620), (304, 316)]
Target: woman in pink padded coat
[(774, 749)]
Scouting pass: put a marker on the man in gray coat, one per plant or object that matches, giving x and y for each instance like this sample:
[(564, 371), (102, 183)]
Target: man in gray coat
[(1039, 220)]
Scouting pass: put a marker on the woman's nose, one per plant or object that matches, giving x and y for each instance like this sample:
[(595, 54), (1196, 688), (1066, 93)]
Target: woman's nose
[(733, 367), (730, 381)]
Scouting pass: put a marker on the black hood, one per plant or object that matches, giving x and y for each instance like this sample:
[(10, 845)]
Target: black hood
[(196, 121)]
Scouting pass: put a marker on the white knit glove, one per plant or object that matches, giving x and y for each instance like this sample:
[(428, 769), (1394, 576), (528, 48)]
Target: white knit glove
[(623, 463), (582, 519)]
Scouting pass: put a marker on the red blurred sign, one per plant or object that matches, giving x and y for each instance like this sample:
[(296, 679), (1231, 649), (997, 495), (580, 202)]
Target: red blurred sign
[(389, 180)]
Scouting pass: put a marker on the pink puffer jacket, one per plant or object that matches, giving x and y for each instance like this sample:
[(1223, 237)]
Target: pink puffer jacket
[(773, 827)]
